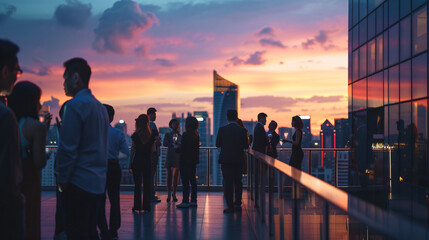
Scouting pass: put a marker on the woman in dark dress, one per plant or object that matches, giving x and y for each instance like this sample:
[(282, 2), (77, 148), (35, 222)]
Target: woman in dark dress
[(189, 158), (297, 153), (140, 163), (171, 141), (25, 102)]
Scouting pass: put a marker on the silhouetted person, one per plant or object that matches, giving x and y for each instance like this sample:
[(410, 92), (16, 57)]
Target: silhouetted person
[(82, 152), (141, 163), (232, 141), (297, 153), (118, 148), (249, 138), (273, 139), (260, 143), (12, 225), (189, 158), (25, 102), (151, 113), (172, 141)]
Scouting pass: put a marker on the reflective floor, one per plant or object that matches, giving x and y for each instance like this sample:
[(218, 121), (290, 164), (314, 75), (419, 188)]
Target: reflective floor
[(207, 221)]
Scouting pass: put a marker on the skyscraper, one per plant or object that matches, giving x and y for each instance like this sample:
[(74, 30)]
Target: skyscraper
[(225, 97), (307, 137), (204, 129), (342, 132)]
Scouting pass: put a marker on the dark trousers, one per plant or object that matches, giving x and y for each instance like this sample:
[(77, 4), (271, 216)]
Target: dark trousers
[(102, 222), (188, 175), (81, 213), (147, 189), (59, 214), (114, 175), (154, 159), (12, 219), (232, 181)]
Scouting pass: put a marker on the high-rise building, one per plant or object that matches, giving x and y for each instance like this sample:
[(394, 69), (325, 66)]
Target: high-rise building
[(307, 137), (204, 129), (225, 97), (162, 174), (388, 94), (327, 135), (342, 132)]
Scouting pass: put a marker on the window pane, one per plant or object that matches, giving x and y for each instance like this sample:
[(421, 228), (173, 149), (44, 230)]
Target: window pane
[(359, 95), (378, 2), (379, 53), (393, 11), (394, 45), (355, 11), (362, 61), (363, 31), (350, 97), (385, 49), (420, 120), (350, 13), (386, 86), (405, 130), (405, 38), (371, 5), (404, 7), (394, 84), (393, 124), (371, 57), (355, 33), (375, 90), (405, 81), (417, 3), (355, 65), (362, 8), (420, 76), (386, 124), (371, 25), (420, 31), (386, 14), (379, 20)]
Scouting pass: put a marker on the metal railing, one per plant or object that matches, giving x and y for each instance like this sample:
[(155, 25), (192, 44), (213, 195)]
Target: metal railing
[(301, 206)]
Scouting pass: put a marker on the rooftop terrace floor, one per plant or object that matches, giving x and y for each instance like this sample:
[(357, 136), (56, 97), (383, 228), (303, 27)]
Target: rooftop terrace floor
[(207, 221)]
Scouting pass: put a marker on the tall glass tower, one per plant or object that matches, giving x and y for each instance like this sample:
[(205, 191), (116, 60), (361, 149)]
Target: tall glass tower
[(225, 97), (388, 93)]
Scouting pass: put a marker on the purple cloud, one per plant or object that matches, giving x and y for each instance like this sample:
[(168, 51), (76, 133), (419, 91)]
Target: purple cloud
[(164, 62), (236, 61), (140, 51), (322, 38), (268, 31), (256, 58), (308, 44), (6, 12), (73, 14), (40, 69), (120, 24), (271, 43), (204, 99)]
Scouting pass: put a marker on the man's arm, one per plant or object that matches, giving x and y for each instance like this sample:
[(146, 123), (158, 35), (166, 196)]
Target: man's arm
[(70, 135)]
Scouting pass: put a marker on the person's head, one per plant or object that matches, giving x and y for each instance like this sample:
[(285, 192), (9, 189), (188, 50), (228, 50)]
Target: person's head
[(25, 100), (9, 68), (262, 118), (174, 124), (151, 112), (110, 112), (232, 115), (240, 123), (272, 126), (297, 122), (142, 127), (191, 125), (76, 76)]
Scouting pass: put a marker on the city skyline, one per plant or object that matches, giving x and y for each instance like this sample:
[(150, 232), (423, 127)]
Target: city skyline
[(288, 58)]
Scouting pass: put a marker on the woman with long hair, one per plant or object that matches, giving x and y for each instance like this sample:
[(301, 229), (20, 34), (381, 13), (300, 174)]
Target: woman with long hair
[(25, 102), (297, 153), (171, 141), (189, 158), (140, 163)]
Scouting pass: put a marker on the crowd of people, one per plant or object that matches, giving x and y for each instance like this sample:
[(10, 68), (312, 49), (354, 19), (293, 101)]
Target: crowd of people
[(87, 161)]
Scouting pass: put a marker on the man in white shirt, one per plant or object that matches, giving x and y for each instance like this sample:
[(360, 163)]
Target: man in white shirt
[(82, 152)]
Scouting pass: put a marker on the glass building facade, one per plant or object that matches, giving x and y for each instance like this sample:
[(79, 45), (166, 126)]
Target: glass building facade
[(388, 92)]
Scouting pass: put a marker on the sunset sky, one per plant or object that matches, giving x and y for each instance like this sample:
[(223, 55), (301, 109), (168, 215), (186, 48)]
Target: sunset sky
[(288, 57)]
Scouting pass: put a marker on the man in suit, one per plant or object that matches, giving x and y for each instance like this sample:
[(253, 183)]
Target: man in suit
[(151, 113), (232, 140), (260, 144), (273, 139)]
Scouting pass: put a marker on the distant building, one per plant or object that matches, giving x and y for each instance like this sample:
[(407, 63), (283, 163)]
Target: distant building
[(307, 137), (204, 129), (225, 97), (342, 132), (162, 174)]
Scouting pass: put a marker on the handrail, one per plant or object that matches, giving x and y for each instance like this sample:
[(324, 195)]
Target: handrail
[(383, 221)]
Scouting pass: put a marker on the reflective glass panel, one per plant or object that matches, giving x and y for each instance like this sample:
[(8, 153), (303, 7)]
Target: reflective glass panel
[(420, 121), (386, 14), (379, 53), (362, 61), (394, 45), (355, 11), (405, 80), (386, 86), (405, 29), (393, 11), (393, 123), (371, 25), (355, 33), (363, 33), (386, 49), (394, 84), (362, 8), (419, 76), (379, 20), (404, 8), (350, 97), (355, 65), (375, 90), (417, 3), (371, 57), (405, 131), (359, 95), (420, 31)]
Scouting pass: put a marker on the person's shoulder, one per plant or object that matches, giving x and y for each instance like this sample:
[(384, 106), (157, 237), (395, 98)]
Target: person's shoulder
[(7, 117)]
